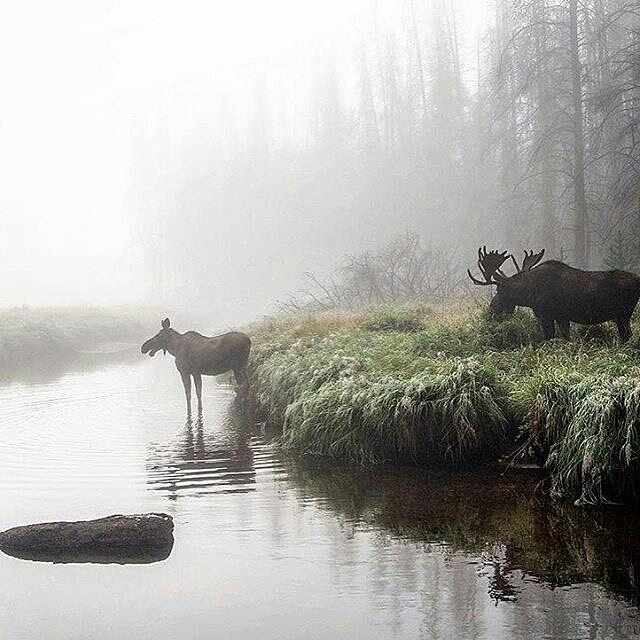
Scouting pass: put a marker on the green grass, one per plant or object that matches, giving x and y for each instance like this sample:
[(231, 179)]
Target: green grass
[(454, 386), (394, 319)]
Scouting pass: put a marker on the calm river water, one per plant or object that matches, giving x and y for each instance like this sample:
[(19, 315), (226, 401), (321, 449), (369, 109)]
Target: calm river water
[(267, 548)]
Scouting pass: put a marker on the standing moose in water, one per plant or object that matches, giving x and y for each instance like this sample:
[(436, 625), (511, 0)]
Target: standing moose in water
[(197, 355), (560, 294)]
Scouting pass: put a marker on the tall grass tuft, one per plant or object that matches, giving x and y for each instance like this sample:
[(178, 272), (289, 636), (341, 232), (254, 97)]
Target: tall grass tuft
[(450, 415), (598, 455), (542, 405)]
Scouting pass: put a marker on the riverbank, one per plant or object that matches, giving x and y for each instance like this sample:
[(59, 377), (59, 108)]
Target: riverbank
[(30, 337), (453, 386)]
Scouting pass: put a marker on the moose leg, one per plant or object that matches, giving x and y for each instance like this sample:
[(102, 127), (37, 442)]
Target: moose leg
[(197, 378), (548, 327), (624, 328), (186, 381), (565, 331), (242, 379)]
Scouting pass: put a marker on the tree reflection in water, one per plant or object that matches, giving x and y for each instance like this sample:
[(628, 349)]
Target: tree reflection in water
[(471, 551), (498, 518)]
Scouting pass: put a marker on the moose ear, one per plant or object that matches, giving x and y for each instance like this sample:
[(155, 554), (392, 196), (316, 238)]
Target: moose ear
[(166, 323)]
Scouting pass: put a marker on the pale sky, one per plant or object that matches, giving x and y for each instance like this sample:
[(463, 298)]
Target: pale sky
[(77, 78)]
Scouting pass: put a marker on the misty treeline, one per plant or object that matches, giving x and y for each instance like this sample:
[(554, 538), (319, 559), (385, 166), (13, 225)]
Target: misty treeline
[(563, 106), (411, 136)]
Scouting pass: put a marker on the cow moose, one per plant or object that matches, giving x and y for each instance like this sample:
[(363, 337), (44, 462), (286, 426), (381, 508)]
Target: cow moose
[(197, 355), (559, 294)]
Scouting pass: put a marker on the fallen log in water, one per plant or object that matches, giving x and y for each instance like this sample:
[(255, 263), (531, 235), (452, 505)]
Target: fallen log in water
[(122, 539)]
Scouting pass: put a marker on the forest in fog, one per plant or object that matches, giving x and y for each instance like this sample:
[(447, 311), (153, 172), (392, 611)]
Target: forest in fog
[(413, 129)]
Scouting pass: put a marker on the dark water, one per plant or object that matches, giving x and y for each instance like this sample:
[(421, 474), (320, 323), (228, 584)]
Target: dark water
[(266, 548)]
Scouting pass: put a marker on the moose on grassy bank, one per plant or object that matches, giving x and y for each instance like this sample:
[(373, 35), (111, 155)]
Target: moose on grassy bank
[(197, 355), (560, 294)]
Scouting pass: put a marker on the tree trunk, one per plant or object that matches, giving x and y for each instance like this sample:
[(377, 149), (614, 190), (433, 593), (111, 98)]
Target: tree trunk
[(510, 159), (581, 248), (549, 223), (421, 80)]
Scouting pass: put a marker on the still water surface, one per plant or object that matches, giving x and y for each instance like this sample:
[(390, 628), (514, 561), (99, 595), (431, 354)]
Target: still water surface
[(266, 548)]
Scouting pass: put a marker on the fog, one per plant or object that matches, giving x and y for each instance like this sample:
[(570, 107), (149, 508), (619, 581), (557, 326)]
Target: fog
[(121, 124), (206, 155)]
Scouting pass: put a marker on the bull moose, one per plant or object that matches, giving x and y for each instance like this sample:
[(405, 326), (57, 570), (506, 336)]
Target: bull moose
[(197, 355), (558, 293)]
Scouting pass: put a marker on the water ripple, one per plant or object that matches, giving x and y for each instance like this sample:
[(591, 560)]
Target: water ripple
[(111, 430)]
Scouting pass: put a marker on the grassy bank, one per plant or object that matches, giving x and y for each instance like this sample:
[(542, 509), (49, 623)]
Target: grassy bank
[(454, 386), (29, 336)]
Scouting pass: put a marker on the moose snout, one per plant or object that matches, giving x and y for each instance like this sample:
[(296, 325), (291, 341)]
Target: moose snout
[(147, 348)]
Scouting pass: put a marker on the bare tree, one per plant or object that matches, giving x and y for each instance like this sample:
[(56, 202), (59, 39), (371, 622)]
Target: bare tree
[(402, 271)]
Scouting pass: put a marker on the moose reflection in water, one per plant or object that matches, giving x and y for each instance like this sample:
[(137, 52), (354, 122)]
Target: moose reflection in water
[(200, 462), (559, 294), (197, 355)]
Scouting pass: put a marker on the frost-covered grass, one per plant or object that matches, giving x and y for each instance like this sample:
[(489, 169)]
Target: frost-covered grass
[(454, 386)]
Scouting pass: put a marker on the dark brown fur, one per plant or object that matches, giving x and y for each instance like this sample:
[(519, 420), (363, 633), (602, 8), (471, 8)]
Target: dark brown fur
[(560, 294), (197, 355)]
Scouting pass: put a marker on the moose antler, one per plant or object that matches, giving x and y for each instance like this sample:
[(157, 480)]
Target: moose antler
[(530, 260), (489, 263)]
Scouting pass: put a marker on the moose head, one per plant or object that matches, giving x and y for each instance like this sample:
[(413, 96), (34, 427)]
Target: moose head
[(490, 265), (159, 341)]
